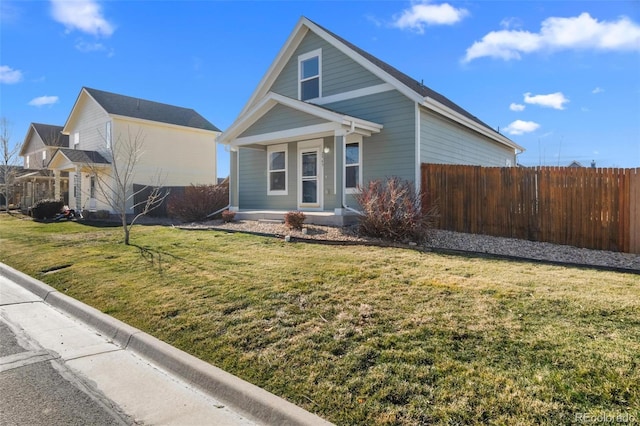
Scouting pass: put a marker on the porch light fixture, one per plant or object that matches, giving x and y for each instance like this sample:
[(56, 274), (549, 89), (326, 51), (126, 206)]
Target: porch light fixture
[(326, 149)]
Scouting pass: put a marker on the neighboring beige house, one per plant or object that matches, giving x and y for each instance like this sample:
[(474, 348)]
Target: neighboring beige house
[(179, 146), (37, 181)]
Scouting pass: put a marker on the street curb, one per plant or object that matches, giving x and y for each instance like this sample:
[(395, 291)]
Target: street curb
[(244, 397)]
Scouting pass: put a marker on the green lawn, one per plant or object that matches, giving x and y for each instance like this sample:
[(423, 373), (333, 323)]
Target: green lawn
[(362, 335)]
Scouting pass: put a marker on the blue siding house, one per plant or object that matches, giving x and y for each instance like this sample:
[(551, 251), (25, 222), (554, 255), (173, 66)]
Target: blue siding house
[(328, 117)]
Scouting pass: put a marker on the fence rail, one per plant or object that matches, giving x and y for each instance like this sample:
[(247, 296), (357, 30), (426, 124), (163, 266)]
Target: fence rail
[(583, 207)]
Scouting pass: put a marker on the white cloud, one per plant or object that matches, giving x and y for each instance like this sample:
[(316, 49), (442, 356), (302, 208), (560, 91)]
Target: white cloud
[(552, 100), (82, 15), (597, 90), (580, 32), (43, 100), (520, 127), (516, 107), (9, 76), (420, 14)]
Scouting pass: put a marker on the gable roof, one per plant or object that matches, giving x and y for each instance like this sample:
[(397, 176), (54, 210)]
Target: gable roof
[(51, 135), (81, 156), (406, 85), (334, 121), (128, 106), (403, 78)]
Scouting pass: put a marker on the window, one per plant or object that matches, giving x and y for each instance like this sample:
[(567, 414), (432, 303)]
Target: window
[(26, 162), (309, 70), (44, 158), (277, 158), (352, 169), (107, 135), (76, 140)]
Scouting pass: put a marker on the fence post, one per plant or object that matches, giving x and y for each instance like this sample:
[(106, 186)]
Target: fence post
[(634, 210)]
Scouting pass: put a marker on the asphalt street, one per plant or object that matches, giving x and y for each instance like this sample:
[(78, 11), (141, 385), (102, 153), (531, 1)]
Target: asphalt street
[(38, 389)]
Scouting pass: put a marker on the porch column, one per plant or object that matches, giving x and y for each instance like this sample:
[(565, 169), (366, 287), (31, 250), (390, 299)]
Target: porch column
[(56, 184), (233, 179), (338, 148)]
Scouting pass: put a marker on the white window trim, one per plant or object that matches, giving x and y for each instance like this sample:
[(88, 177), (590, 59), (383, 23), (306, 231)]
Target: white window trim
[(304, 57), (351, 139), (76, 140), (278, 148), (107, 136)]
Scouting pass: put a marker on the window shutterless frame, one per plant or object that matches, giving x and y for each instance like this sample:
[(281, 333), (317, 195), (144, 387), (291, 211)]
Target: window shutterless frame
[(352, 164), (310, 75), (277, 173)]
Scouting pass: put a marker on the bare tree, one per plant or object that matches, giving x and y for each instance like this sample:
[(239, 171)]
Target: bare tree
[(9, 158), (117, 186)]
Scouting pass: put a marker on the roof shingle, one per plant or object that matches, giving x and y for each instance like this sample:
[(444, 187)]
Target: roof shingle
[(148, 110), (50, 134)]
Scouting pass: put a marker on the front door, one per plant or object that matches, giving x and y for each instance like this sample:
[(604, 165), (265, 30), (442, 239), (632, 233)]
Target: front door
[(310, 175)]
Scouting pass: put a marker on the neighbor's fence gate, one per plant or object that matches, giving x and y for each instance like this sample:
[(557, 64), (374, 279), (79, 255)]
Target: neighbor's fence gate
[(583, 207)]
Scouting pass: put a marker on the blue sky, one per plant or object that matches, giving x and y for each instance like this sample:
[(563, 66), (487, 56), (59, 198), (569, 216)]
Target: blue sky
[(561, 78)]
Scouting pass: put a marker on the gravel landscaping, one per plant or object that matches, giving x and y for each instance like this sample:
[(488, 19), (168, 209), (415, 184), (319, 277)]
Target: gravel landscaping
[(444, 240)]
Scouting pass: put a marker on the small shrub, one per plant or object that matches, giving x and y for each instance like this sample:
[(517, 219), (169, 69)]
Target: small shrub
[(197, 201), (228, 216), (294, 220), (393, 211), (46, 209)]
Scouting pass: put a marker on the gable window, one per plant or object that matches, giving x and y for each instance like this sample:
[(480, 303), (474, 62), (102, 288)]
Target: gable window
[(44, 158), (353, 166), (76, 140), (107, 135), (309, 75), (277, 158)]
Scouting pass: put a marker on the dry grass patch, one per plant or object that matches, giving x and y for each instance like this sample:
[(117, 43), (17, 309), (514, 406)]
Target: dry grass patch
[(363, 335)]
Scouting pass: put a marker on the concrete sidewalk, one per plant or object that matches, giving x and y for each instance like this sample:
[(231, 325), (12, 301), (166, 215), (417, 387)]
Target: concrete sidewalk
[(149, 380)]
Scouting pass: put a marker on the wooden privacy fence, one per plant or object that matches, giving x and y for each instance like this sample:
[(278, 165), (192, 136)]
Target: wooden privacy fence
[(583, 207)]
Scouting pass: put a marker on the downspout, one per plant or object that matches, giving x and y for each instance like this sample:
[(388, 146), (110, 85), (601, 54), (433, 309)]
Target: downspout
[(344, 192)]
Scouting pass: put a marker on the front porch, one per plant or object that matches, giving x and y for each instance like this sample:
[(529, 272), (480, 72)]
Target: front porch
[(326, 218)]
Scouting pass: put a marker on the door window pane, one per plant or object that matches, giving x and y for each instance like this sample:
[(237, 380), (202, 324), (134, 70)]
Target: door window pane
[(309, 191), (309, 164)]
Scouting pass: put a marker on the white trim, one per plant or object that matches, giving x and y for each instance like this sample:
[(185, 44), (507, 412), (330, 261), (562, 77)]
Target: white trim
[(311, 146), (286, 51), (353, 94), (305, 57), (278, 148), (108, 130), (347, 140), (289, 135), (418, 163)]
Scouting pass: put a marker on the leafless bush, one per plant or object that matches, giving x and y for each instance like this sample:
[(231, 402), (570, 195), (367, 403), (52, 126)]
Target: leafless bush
[(197, 201), (393, 211)]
